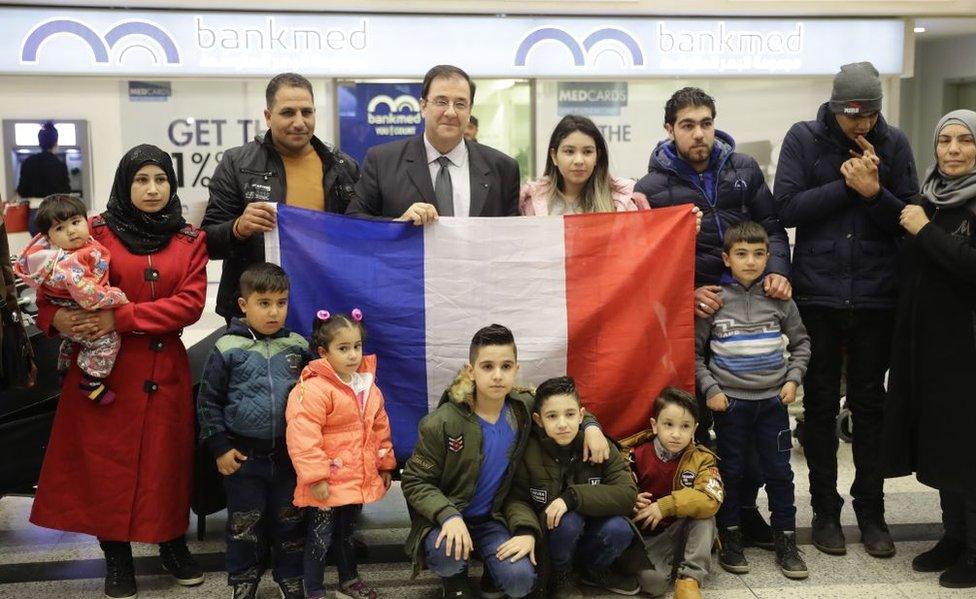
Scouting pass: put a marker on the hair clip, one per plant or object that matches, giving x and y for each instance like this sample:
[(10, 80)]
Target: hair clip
[(323, 315), (356, 314)]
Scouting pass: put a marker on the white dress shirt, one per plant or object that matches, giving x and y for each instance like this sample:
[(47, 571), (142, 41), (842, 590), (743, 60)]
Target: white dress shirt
[(460, 174)]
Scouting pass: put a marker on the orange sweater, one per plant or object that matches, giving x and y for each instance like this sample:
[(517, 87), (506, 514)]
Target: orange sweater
[(330, 439)]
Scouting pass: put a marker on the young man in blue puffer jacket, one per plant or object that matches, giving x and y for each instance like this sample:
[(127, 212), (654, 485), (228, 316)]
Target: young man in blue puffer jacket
[(842, 181), (698, 165)]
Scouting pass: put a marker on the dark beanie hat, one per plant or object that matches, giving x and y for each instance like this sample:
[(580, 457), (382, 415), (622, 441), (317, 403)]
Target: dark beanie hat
[(857, 90), (47, 137)]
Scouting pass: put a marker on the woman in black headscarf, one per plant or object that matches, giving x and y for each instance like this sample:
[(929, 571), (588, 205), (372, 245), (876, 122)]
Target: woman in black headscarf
[(122, 472), (930, 416)]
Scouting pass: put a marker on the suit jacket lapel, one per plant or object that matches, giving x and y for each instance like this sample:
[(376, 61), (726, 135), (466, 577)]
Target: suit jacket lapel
[(480, 174), (415, 156)]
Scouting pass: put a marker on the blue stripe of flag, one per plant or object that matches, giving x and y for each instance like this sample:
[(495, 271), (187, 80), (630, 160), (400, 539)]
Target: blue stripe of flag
[(338, 263)]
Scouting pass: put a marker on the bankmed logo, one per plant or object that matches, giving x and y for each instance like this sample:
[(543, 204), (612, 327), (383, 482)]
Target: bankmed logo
[(402, 115), (101, 45), (611, 39)]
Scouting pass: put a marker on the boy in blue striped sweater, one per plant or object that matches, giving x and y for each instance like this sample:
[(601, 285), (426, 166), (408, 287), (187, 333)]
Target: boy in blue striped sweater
[(748, 382)]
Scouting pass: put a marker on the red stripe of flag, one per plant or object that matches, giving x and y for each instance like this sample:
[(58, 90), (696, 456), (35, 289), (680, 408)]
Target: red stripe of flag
[(630, 311)]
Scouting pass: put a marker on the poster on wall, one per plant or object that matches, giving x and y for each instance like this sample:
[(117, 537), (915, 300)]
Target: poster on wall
[(196, 123), (376, 113)]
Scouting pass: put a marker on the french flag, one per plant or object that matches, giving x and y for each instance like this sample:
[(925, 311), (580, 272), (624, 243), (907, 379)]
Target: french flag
[(606, 298)]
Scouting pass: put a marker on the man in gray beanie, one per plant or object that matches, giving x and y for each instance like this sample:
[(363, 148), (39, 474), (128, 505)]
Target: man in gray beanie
[(842, 181)]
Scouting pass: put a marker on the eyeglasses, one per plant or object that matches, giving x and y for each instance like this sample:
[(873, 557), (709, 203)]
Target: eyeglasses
[(442, 103)]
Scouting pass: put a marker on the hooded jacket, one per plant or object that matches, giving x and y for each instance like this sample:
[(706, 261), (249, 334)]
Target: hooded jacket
[(440, 478), (330, 439), (731, 190), (255, 172), (533, 200), (846, 249), (78, 275), (245, 385)]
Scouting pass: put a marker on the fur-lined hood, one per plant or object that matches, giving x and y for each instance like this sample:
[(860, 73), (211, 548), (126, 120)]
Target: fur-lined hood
[(461, 392)]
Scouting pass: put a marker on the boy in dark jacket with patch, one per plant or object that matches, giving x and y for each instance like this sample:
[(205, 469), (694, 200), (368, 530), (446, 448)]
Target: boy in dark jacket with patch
[(241, 409), (459, 475), (568, 507), (680, 492)]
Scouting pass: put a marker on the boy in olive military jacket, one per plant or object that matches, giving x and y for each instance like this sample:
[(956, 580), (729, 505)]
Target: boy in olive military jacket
[(571, 507), (680, 492), (461, 470)]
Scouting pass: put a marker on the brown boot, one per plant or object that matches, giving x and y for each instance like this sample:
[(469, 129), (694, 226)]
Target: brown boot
[(686, 588)]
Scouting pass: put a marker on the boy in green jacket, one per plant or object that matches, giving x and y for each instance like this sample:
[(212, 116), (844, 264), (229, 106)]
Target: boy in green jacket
[(460, 472), (575, 508)]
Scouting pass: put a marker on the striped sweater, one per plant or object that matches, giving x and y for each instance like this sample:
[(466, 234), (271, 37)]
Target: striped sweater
[(739, 351)]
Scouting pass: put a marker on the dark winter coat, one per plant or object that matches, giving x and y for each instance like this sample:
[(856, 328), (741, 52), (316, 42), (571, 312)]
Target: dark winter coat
[(730, 191), (930, 414), (255, 172), (846, 252)]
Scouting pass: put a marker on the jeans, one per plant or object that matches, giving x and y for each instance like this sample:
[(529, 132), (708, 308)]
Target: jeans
[(600, 540), (866, 334), (752, 480), (261, 516), (959, 517), (324, 526), (765, 423), (514, 579)]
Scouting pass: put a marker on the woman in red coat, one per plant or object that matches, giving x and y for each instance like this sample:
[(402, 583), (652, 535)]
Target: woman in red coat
[(122, 472)]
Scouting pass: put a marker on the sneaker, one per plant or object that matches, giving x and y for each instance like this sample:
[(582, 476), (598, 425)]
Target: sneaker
[(730, 554), (875, 536), (828, 536), (962, 574), (177, 561), (120, 572), (292, 588), (458, 587), (487, 588), (686, 588), (356, 589), (788, 556), (605, 578), (562, 585), (755, 530), (937, 559), (244, 590)]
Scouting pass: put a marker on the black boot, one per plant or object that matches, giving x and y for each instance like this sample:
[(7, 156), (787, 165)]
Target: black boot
[(788, 556), (755, 530), (828, 536), (458, 587), (730, 554), (962, 574), (875, 536), (945, 553), (177, 561), (120, 572)]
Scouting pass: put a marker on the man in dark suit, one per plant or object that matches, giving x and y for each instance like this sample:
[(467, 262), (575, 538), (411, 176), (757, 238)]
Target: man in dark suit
[(438, 173)]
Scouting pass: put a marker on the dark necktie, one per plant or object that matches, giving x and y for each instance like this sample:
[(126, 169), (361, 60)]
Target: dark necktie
[(444, 189)]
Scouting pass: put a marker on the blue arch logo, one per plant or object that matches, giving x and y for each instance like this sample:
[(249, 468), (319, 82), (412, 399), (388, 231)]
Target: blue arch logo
[(632, 55), (101, 45)]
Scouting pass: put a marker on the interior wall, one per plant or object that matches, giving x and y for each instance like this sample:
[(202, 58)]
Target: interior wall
[(937, 62)]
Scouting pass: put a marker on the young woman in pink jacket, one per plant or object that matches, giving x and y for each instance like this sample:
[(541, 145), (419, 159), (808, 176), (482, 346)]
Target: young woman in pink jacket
[(339, 441), (577, 177)]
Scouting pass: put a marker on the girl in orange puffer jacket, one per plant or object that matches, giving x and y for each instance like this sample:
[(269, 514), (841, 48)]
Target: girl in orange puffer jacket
[(339, 441)]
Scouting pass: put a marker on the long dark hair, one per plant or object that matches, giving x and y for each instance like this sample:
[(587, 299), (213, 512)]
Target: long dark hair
[(596, 196)]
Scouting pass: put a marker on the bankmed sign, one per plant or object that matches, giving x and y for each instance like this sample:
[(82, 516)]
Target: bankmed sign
[(184, 43)]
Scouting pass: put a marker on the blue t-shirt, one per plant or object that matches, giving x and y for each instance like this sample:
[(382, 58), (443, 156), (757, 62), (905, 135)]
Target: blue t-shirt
[(496, 443)]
